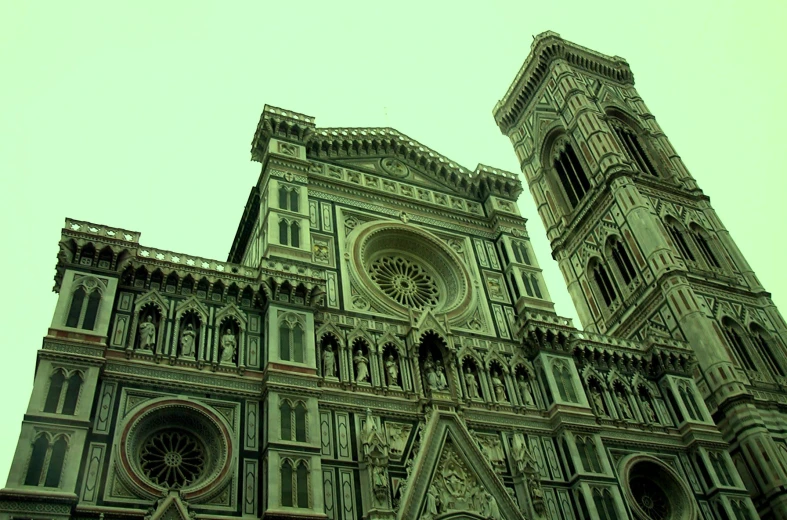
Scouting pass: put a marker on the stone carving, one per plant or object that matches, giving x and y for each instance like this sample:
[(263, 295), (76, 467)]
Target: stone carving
[(647, 410), (492, 449), (328, 362), (320, 251), (442, 384), (527, 466), (392, 370), (472, 384), (398, 433), (598, 402), (187, 340), (147, 334), (499, 387), (375, 450), (361, 367), (623, 403), (525, 391), (228, 344), (430, 372)]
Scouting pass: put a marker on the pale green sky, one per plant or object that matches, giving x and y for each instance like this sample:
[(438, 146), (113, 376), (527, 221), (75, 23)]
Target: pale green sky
[(140, 116)]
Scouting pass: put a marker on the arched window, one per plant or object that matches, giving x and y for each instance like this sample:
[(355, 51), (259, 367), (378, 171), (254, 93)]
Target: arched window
[(605, 504), (687, 396), (603, 282), (704, 248), (56, 381), (520, 253), (293, 200), (288, 197), (622, 260), (514, 286), (37, 459), (300, 422), (105, 258), (536, 288), (735, 340), (75, 311), (565, 386), (303, 484), (56, 459), (284, 232), (285, 409), (634, 149), (587, 454), (703, 470), (286, 483), (73, 386), (572, 177), (676, 232), (291, 340), (284, 197), (720, 467), (763, 346), (295, 235), (741, 510)]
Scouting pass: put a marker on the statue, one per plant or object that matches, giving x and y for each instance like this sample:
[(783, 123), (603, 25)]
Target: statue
[(392, 370), (373, 441), (442, 384), (499, 388), (227, 346), (490, 508), (147, 334), (525, 391), (361, 367), (598, 402), (379, 481), (650, 415), (187, 339), (328, 362), (525, 462), (430, 373), (472, 384), (625, 408), (432, 502)]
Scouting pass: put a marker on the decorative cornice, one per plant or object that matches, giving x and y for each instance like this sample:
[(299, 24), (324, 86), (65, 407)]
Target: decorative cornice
[(546, 48)]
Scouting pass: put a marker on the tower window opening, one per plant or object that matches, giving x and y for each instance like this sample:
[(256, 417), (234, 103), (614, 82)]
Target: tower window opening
[(680, 241), (288, 198), (634, 150), (704, 248), (736, 342), (572, 176), (536, 288), (604, 284), (766, 352), (623, 262)]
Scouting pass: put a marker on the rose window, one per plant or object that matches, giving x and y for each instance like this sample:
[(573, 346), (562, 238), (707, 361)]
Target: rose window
[(172, 458), (405, 281), (651, 498)]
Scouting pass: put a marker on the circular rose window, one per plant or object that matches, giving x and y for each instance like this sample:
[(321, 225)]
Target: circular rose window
[(406, 281), (173, 458), (655, 491)]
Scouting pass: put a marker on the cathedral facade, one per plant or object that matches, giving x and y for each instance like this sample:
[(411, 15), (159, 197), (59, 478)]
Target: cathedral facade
[(380, 343)]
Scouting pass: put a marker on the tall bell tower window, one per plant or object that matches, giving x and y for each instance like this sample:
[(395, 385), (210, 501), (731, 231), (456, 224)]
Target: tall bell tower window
[(680, 242), (634, 150), (85, 300), (604, 283), (766, 352), (289, 233), (735, 340), (573, 178), (622, 261), (288, 198), (704, 248)]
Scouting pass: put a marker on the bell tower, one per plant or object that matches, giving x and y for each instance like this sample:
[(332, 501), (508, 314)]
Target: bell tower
[(641, 249)]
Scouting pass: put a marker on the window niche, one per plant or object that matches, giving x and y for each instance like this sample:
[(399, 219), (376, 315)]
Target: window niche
[(602, 282), (361, 356), (569, 172), (294, 420), (471, 379), (291, 338), (229, 341), (294, 479), (734, 335), (617, 251), (47, 458), (434, 376), (633, 148), (289, 232), (189, 335), (763, 345), (86, 294), (289, 198), (63, 393), (563, 380)]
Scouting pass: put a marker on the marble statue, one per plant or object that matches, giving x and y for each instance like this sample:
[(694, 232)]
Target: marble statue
[(392, 370), (442, 384), (187, 340), (525, 390), (499, 388), (625, 408), (228, 344), (361, 367), (430, 372), (472, 384), (598, 402), (328, 362), (647, 409), (147, 334)]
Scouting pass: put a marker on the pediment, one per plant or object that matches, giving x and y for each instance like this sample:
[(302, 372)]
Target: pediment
[(453, 479), (170, 508)]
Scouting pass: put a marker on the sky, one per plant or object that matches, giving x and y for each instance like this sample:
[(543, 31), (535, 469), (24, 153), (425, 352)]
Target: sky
[(140, 116)]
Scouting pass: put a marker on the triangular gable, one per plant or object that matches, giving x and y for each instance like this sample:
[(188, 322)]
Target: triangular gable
[(170, 508), (232, 310), (450, 465), (153, 297), (192, 304)]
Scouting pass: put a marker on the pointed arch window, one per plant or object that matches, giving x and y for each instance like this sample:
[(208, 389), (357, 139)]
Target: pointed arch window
[(622, 260), (698, 236), (634, 149), (735, 340), (302, 484), (46, 462), (603, 283), (515, 286), (520, 253), (286, 483), (295, 484), (763, 346), (289, 233), (721, 469), (605, 504), (564, 383), (588, 455), (300, 422), (534, 283), (293, 421), (63, 393), (572, 177), (83, 309), (291, 340), (285, 409), (676, 233), (288, 197), (687, 396)]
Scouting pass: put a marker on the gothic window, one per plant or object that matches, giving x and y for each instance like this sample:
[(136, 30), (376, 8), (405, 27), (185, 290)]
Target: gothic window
[(735, 340), (572, 177), (634, 149), (534, 283), (687, 396), (605, 504), (564, 383), (285, 409), (46, 461), (622, 260), (85, 299), (703, 470), (293, 421), (520, 253), (721, 469), (567, 456), (291, 340), (676, 233), (63, 392), (588, 455), (105, 258), (674, 405), (515, 287), (603, 282), (701, 241), (763, 346), (288, 198), (545, 385), (300, 422), (741, 510), (294, 484)]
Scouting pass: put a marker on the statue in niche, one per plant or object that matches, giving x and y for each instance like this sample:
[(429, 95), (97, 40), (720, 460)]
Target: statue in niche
[(536, 493), (472, 384), (489, 508), (525, 461), (328, 362), (392, 370), (379, 481), (147, 334), (625, 408), (598, 402), (228, 344), (499, 388), (525, 390), (430, 372), (442, 384), (647, 409), (187, 340), (432, 502), (361, 367)]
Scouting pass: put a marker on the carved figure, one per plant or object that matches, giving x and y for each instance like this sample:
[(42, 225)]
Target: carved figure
[(379, 478), (490, 508), (625, 409), (392, 370), (650, 415), (361, 367), (472, 384), (432, 501), (374, 442), (525, 462), (328, 362), (598, 402), (187, 339), (499, 388), (147, 334), (442, 384), (430, 372), (228, 345), (525, 390)]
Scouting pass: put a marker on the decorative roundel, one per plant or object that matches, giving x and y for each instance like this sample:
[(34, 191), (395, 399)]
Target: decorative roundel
[(395, 167), (655, 491), (401, 267), (175, 444)]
